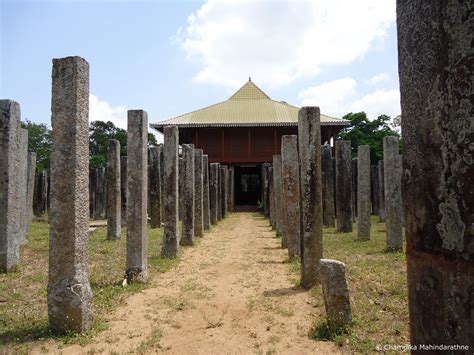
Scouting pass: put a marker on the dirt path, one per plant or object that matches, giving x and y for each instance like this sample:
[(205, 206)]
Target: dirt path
[(230, 294)]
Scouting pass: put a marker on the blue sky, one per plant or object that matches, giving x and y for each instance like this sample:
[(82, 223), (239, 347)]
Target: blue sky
[(171, 57)]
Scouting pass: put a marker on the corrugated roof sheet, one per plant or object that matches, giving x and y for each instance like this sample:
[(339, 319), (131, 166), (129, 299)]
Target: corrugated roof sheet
[(249, 106)]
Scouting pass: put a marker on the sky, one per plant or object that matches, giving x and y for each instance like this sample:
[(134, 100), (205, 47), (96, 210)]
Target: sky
[(173, 57)]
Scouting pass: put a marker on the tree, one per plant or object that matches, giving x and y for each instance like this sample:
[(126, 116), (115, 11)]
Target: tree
[(362, 131), (39, 141)]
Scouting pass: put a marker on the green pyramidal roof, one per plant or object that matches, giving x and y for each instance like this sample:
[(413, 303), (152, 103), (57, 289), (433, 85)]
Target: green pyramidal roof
[(248, 107)]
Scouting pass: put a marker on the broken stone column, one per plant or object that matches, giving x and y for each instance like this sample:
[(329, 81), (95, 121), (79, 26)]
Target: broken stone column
[(393, 194), (187, 237), (70, 305), (9, 185), (40, 194), (381, 192), (198, 194), (327, 176), (343, 186), (219, 194), (213, 191), (223, 190), (364, 207), (170, 195), (30, 189), (438, 134), (336, 293), (123, 190), (205, 193), (23, 176), (291, 193), (114, 203), (137, 176), (309, 144), (181, 187), (278, 192), (155, 188)]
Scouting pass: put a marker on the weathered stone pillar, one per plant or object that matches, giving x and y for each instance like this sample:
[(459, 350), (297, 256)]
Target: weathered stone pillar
[(271, 193), (223, 189), (155, 188), (374, 188), (438, 133), (181, 187), (278, 192), (137, 176), (327, 176), (170, 195), (213, 191), (123, 190), (187, 237), (335, 293), (205, 193), (9, 185), (114, 203), (381, 192), (162, 180), (309, 144), (30, 190), (219, 193), (354, 189), (343, 186), (198, 194), (231, 189), (364, 207), (23, 176), (291, 193), (393, 193), (41, 193), (69, 294), (265, 195)]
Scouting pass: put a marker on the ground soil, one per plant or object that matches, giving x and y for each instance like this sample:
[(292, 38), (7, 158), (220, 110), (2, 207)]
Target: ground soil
[(231, 293)]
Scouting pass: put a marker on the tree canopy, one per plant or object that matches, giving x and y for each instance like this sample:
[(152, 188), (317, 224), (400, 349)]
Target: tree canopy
[(39, 141)]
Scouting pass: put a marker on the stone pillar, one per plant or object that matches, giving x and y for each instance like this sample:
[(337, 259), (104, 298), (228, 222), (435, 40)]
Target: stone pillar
[(278, 192), (40, 194), (271, 192), (231, 189), (381, 193), (213, 191), (309, 144), (187, 237), (219, 193), (181, 187), (170, 195), (291, 193), (393, 194), (23, 176), (92, 192), (354, 189), (335, 293), (114, 203), (438, 179), (343, 186), (9, 185), (364, 207), (198, 194), (223, 190), (374, 188), (327, 176), (30, 190), (69, 294), (162, 180), (155, 188), (137, 176), (123, 190), (265, 196), (205, 193)]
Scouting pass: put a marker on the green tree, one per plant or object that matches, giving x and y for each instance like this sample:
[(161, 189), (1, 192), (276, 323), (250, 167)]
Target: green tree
[(39, 141), (362, 131)]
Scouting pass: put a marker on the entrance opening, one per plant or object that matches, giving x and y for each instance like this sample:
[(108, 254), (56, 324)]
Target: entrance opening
[(247, 186)]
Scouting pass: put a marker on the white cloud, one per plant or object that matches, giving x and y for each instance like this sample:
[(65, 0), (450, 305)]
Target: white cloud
[(379, 78), (379, 102), (278, 42), (102, 111)]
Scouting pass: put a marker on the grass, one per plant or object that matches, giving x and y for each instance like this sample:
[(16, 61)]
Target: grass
[(23, 294)]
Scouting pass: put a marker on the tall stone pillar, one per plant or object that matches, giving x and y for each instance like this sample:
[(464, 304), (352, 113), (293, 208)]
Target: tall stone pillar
[(170, 195), (205, 193), (114, 203), (327, 176), (278, 192), (40, 194), (291, 193), (9, 185), (187, 237), (137, 176), (223, 190), (30, 190), (161, 152), (219, 194), (69, 293), (271, 193), (155, 188), (393, 193), (364, 207), (265, 195), (213, 191), (181, 187), (438, 179), (231, 189), (123, 190), (309, 144), (381, 192), (374, 188), (23, 176), (343, 186), (198, 194), (354, 188)]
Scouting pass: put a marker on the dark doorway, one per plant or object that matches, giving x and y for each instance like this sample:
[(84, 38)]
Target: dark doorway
[(247, 184)]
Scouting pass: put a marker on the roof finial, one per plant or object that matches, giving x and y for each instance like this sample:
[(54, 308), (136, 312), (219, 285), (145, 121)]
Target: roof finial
[(250, 79)]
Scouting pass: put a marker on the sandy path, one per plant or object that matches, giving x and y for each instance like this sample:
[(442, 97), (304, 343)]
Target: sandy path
[(230, 294)]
